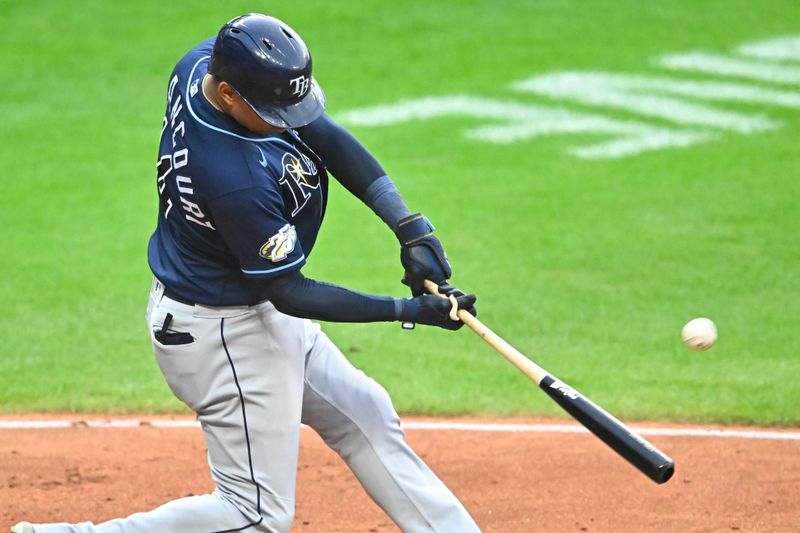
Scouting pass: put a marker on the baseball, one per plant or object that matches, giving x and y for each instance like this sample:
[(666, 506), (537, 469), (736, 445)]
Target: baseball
[(699, 334)]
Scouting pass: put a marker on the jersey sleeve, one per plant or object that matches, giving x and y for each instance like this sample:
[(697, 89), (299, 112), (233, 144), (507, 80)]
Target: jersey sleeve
[(252, 224)]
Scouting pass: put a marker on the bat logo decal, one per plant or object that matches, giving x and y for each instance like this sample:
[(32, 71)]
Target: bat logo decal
[(565, 389)]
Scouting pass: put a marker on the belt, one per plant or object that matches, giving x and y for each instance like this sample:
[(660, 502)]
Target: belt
[(169, 293)]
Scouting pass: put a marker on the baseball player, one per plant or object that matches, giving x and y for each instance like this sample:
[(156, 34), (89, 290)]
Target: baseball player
[(242, 183)]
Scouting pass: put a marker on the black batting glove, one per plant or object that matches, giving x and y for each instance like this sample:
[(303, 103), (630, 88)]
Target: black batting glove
[(448, 290), (421, 253), (435, 311)]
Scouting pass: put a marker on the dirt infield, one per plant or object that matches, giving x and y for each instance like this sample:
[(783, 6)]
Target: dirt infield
[(510, 481)]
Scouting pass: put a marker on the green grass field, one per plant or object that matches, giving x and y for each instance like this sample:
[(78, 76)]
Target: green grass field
[(589, 266)]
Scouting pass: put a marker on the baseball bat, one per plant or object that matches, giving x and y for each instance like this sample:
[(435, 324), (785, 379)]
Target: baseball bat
[(632, 447)]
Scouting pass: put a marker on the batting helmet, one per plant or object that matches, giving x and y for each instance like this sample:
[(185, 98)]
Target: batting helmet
[(269, 65)]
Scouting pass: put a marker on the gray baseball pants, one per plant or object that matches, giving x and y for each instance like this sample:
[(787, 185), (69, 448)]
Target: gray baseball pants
[(252, 374)]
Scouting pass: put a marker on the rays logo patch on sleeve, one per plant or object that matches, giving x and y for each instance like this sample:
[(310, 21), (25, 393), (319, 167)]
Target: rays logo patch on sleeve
[(280, 245)]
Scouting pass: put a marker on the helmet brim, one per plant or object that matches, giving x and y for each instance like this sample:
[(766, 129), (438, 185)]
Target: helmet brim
[(296, 115)]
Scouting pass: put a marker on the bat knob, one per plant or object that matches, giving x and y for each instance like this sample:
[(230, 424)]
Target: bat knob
[(663, 473)]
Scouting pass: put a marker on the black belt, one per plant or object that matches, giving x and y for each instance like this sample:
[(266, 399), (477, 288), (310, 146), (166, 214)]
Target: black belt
[(169, 293)]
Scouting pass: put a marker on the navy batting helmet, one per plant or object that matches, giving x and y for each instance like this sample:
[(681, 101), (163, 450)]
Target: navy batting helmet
[(269, 65)]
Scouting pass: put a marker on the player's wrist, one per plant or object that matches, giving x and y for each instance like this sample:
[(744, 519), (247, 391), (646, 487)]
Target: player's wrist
[(413, 228), (386, 201), (407, 309)]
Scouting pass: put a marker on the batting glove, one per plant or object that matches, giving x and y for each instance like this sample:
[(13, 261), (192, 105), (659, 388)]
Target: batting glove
[(421, 253), (435, 311)]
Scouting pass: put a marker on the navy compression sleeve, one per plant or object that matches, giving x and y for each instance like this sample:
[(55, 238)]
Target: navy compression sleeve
[(347, 159), (354, 167), (297, 295)]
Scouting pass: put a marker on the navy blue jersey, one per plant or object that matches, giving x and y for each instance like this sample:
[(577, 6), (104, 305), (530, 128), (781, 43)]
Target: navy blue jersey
[(234, 206)]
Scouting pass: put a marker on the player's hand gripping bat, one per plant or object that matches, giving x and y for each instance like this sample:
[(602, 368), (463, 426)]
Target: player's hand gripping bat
[(636, 450)]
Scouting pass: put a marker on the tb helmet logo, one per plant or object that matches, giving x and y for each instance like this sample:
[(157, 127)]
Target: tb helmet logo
[(300, 178), (300, 85), (280, 245)]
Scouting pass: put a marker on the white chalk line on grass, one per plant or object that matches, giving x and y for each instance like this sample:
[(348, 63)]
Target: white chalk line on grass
[(677, 111), (757, 434)]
